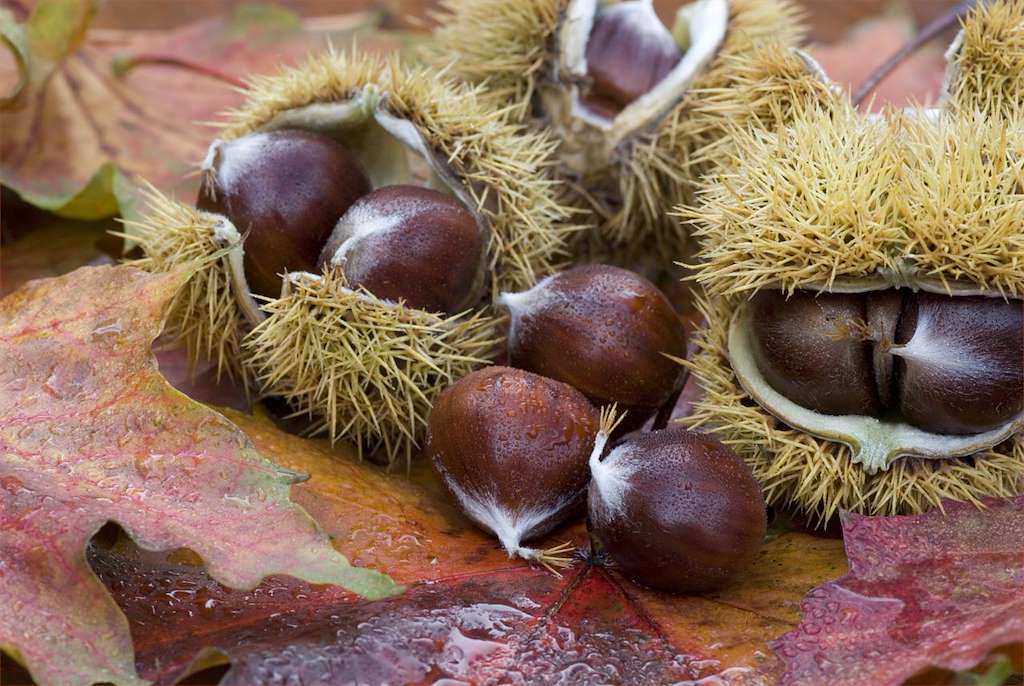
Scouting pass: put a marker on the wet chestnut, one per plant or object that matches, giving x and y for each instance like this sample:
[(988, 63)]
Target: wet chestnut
[(284, 191), (961, 362), (629, 51), (512, 448), (675, 510), (808, 349), (409, 243), (945, 364), (603, 330)]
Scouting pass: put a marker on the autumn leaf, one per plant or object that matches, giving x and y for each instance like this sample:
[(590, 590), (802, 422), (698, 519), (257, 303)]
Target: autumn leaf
[(77, 136), (926, 590), (90, 432), (470, 613)]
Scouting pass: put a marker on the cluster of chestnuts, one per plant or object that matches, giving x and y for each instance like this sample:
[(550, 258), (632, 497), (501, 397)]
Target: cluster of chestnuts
[(520, 447), (944, 364), (303, 201)]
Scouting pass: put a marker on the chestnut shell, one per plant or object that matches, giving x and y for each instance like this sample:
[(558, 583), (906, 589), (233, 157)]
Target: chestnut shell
[(517, 440), (690, 515), (628, 53), (409, 243), (961, 367), (801, 349), (284, 191), (603, 330)]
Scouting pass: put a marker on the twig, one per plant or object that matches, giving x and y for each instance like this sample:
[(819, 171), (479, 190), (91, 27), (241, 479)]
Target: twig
[(925, 35)]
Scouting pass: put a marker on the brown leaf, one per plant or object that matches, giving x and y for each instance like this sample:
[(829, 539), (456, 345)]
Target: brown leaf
[(77, 136), (471, 614), (90, 432), (925, 590), (851, 60)]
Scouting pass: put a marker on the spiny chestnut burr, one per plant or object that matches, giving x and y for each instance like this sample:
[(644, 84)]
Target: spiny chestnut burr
[(512, 448), (946, 364), (675, 510), (628, 53), (284, 191), (603, 330), (409, 243)]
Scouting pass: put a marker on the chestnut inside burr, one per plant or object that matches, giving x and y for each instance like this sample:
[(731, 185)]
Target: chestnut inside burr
[(629, 51), (944, 364)]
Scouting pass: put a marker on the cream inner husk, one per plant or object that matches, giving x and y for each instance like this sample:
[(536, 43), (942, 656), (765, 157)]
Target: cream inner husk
[(707, 22), (392, 151), (874, 443)]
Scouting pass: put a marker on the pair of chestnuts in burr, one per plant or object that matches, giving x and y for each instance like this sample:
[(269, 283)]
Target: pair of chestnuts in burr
[(945, 364), (522, 450), (303, 202)]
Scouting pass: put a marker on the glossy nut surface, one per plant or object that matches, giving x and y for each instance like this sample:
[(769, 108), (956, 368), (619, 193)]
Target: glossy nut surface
[(960, 362), (628, 53), (284, 191), (516, 440), (603, 330), (677, 511), (409, 243), (806, 349)]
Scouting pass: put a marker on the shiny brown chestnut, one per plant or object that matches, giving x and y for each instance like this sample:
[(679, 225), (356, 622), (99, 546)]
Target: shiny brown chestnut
[(675, 510), (603, 330), (284, 191), (807, 350), (629, 51), (512, 448), (946, 364), (409, 243), (960, 362)]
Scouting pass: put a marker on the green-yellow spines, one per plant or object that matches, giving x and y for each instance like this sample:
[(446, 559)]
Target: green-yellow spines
[(986, 70), (819, 196), (815, 476), (362, 368), (505, 168), (511, 48), (840, 195)]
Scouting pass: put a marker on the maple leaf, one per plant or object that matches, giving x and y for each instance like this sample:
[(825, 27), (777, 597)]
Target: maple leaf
[(76, 135), (90, 432), (925, 590), (470, 613)]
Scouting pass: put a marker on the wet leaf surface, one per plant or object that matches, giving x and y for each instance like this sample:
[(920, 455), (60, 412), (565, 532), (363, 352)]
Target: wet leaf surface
[(78, 138), (925, 590), (91, 432), (470, 615)]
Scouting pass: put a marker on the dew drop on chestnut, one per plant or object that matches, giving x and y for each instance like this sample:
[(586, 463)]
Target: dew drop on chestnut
[(808, 348), (284, 191), (676, 511), (512, 448), (961, 362), (603, 330), (628, 53), (409, 243)]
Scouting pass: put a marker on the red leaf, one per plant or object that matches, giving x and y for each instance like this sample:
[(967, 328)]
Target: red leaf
[(91, 432), (923, 590)]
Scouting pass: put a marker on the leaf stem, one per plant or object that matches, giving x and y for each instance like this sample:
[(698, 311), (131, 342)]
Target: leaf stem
[(123, 64)]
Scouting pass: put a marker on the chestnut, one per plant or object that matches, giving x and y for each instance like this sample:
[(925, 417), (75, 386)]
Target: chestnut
[(946, 364), (675, 510), (629, 51), (807, 348), (284, 191), (512, 448), (960, 362), (606, 331), (409, 243)]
